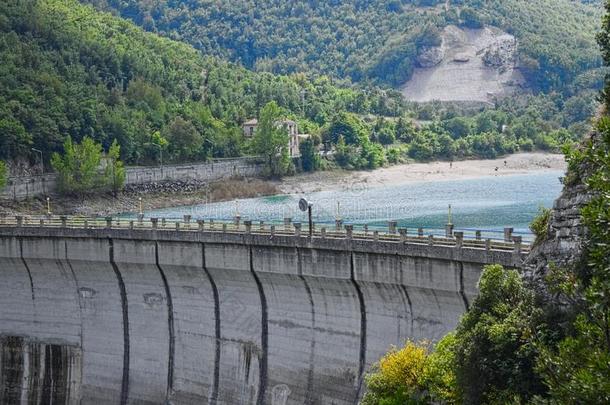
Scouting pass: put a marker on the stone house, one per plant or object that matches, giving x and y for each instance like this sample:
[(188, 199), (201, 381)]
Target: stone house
[(295, 138)]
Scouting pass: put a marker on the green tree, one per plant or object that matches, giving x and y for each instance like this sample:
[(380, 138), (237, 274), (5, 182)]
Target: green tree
[(310, 158), (576, 371), (115, 170), (349, 126), (3, 174), (271, 141), (15, 141), (494, 354), (185, 141), (78, 168)]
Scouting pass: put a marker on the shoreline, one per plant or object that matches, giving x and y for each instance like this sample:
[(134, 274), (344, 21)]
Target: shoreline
[(516, 164), (304, 183)]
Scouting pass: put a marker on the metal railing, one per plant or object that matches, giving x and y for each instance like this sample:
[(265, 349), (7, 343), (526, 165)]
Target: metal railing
[(463, 239)]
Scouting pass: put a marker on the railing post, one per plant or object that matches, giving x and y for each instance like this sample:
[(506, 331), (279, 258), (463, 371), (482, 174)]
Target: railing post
[(287, 222), (261, 225), (86, 224), (187, 220), (19, 220), (430, 240), (449, 230), (518, 240), (478, 235), (349, 231), (508, 234), (420, 232), (130, 224), (211, 224), (108, 222), (64, 221), (297, 229), (224, 228), (376, 236), (392, 227), (140, 218), (272, 230), (338, 224), (200, 224), (366, 229), (237, 221), (488, 244), (248, 225), (41, 222), (459, 239), (403, 234), (323, 233), (163, 222), (177, 226), (154, 222)]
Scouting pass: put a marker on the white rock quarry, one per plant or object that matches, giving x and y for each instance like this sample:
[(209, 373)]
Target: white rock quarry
[(477, 65)]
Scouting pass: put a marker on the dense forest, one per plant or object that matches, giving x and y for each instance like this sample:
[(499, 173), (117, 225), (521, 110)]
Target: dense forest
[(68, 70), (539, 336), (374, 40)]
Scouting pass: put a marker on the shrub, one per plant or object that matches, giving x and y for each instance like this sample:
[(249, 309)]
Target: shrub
[(540, 224)]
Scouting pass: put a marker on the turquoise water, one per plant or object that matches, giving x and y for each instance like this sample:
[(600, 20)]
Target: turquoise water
[(487, 203)]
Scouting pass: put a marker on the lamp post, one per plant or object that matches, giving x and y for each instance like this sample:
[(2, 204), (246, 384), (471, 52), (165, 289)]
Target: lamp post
[(304, 205), (140, 201), (41, 161), (48, 207)]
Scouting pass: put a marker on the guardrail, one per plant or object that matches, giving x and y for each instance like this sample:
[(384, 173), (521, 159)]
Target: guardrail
[(339, 231)]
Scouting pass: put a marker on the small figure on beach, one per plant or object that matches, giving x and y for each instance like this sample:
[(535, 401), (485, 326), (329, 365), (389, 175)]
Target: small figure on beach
[(497, 168)]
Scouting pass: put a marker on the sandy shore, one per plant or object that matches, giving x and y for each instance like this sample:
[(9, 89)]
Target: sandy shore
[(521, 163)]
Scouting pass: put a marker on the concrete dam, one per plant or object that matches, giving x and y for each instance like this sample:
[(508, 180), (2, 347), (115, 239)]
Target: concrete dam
[(95, 312)]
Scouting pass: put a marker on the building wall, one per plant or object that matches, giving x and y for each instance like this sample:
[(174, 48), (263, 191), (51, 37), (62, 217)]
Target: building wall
[(212, 318)]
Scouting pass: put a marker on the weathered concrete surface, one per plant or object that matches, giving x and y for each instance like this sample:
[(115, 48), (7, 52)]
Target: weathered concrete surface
[(150, 316)]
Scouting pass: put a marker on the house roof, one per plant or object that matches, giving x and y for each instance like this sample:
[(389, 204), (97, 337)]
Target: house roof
[(252, 121)]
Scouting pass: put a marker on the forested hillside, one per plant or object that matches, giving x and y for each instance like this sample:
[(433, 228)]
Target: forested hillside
[(375, 40), (68, 70)]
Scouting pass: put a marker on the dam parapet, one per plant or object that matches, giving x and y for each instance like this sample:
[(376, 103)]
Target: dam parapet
[(200, 312)]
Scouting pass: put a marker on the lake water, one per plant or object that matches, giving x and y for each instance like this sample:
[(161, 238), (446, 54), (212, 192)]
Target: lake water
[(487, 203)]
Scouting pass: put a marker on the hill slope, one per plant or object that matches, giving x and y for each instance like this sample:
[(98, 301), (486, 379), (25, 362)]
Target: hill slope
[(67, 69), (378, 40)]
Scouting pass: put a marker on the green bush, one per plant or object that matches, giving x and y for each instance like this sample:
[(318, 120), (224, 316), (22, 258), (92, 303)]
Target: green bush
[(540, 224), (3, 174)]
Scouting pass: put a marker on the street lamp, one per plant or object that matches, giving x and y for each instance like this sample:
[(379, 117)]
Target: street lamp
[(41, 161), (48, 207), (304, 205)]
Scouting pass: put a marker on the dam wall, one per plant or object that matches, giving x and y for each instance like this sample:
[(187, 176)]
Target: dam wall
[(147, 316)]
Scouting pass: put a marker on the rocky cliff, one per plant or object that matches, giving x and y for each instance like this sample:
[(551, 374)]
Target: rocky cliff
[(566, 235)]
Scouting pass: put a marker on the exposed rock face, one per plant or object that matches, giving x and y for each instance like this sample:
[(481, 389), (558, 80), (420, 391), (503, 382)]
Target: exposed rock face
[(502, 53), (566, 234), (430, 57), (471, 65)]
